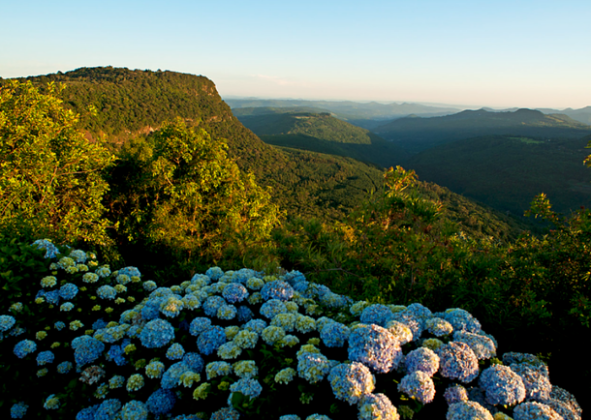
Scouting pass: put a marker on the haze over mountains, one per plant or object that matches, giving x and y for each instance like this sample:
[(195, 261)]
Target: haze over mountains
[(314, 159), (500, 157)]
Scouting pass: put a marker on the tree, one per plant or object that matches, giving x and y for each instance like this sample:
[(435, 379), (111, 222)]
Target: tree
[(50, 175), (177, 188)]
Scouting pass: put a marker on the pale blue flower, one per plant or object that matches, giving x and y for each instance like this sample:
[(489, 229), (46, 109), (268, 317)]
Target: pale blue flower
[(377, 407), (533, 410), (351, 381), (25, 347), (468, 410), (418, 385), (457, 361), (6, 322), (375, 347), (156, 333), (18, 410), (501, 385), (277, 289)]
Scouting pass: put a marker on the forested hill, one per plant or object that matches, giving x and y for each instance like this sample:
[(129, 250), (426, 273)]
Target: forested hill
[(131, 103), (323, 133), (416, 134)]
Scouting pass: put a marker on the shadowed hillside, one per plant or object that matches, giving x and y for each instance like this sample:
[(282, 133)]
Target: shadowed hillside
[(506, 172), (417, 134), (321, 132)]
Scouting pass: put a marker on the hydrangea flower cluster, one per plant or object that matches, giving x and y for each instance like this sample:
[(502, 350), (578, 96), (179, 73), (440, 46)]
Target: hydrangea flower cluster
[(242, 337)]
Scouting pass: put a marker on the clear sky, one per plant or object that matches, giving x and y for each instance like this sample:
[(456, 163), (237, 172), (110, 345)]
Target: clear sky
[(487, 53)]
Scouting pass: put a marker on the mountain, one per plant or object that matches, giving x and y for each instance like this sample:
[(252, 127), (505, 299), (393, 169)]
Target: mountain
[(323, 133), (132, 103), (582, 115), (349, 110), (506, 172), (418, 134)]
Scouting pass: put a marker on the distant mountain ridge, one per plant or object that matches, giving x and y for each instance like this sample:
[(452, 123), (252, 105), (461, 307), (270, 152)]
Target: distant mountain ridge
[(348, 109), (323, 133), (417, 134)]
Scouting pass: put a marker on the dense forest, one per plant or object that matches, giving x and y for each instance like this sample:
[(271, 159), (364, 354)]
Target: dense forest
[(152, 170)]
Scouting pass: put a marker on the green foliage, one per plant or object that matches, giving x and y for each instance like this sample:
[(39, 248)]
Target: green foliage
[(50, 175), (506, 172), (178, 189), (418, 134)]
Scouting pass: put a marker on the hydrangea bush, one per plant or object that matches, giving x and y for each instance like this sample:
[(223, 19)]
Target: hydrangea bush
[(96, 344)]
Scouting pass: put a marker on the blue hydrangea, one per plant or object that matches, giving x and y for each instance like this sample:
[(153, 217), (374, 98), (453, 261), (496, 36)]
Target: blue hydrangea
[(151, 309), (415, 324), (161, 402), (247, 386), (483, 347), (535, 379), (108, 410), (376, 314), (211, 339), (214, 273), (235, 292), (87, 413), (86, 349), (335, 334), (6, 322), (45, 357), (334, 300), (52, 297), (175, 352), (277, 289), (457, 361), (149, 285), (468, 410), (377, 407), (226, 413), (501, 385), (18, 410), (439, 327), (50, 249), (256, 325), (272, 308), (103, 271), (106, 292), (64, 367), (375, 347), (25, 347), (156, 333), (422, 359), (78, 255), (172, 376), (212, 304), (418, 385), (244, 314), (351, 381), (533, 410), (99, 324), (194, 361), (313, 367), (130, 272), (198, 325), (217, 369), (68, 291), (116, 355), (134, 410), (461, 320), (455, 393), (171, 306), (294, 277), (227, 312)]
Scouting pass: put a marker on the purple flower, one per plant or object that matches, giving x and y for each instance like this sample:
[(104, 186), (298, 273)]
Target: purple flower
[(457, 361), (418, 385), (502, 386), (422, 359), (375, 347)]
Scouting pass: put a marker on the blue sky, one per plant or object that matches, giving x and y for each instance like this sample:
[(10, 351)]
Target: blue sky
[(474, 53)]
